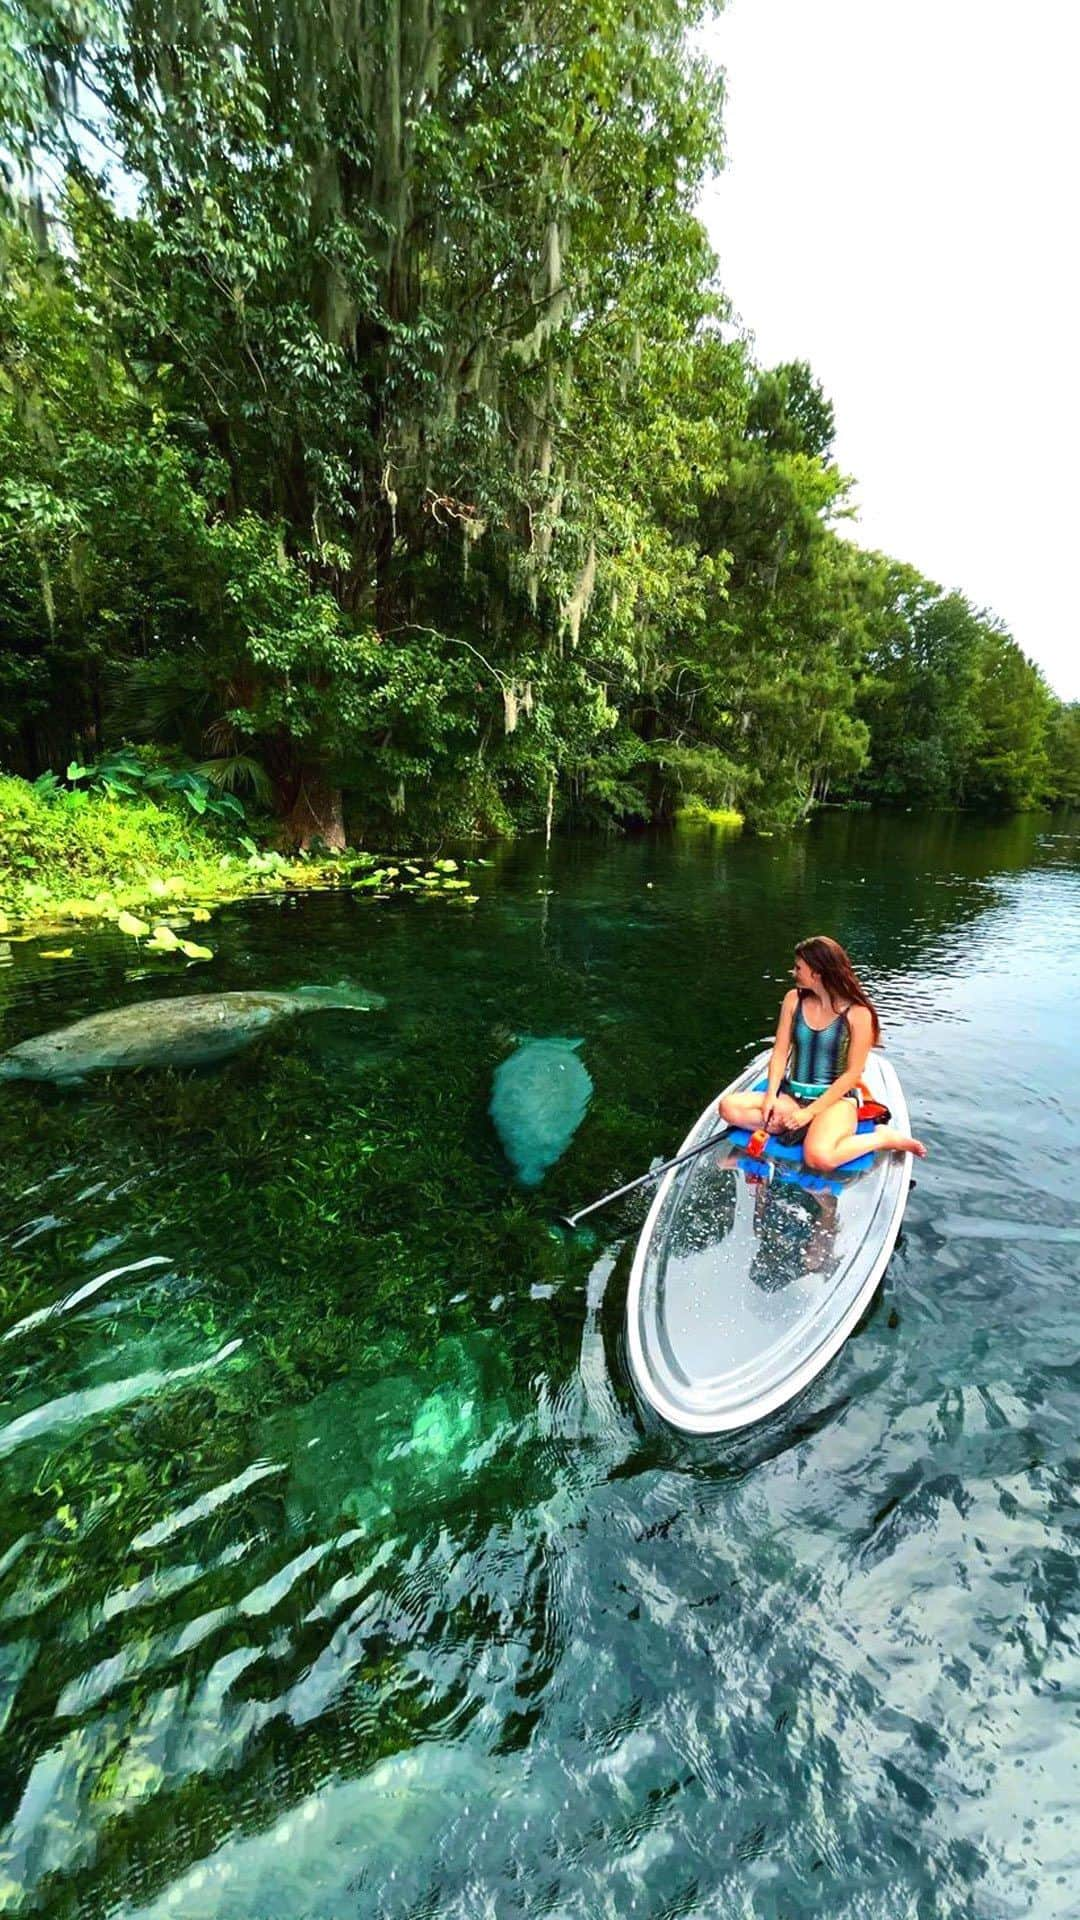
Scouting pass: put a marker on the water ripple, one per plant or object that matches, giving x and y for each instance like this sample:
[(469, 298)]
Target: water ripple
[(400, 1609)]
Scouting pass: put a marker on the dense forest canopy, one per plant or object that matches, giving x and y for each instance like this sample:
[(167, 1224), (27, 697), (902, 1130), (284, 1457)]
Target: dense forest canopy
[(374, 435)]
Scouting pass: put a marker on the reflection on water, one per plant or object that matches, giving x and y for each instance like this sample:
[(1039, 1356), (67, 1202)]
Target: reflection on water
[(337, 1574)]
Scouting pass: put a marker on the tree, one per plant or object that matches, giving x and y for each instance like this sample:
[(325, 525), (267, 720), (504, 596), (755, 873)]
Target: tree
[(368, 251), (790, 413), (1063, 755), (387, 439), (1009, 766), (917, 696)]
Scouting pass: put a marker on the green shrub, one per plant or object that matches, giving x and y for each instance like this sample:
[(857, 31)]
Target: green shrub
[(59, 842)]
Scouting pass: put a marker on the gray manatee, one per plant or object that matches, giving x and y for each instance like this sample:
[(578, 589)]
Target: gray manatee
[(538, 1102), (184, 1032)]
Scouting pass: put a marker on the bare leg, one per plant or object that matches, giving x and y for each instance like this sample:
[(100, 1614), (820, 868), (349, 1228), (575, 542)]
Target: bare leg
[(882, 1140), (832, 1142), (744, 1110)]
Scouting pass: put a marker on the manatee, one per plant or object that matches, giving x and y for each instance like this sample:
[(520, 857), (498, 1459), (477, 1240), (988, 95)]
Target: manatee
[(537, 1104), (377, 1449), (168, 1033)]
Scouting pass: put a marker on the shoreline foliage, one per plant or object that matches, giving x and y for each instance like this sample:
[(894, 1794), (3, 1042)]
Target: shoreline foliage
[(376, 441), (67, 854), (101, 844)]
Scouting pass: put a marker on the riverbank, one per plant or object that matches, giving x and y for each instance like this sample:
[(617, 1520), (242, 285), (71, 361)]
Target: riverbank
[(66, 858), (62, 864)]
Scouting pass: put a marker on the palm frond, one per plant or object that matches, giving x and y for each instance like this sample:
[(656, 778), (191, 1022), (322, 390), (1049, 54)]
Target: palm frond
[(238, 773), (161, 698)]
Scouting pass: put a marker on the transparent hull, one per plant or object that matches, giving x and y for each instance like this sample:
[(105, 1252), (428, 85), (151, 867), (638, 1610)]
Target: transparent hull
[(748, 1278)]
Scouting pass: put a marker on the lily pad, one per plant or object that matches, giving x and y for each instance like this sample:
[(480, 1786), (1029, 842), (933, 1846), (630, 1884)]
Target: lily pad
[(127, 923)]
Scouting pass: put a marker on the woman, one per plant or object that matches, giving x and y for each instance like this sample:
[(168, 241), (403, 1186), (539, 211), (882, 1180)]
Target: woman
[(826, 1030)]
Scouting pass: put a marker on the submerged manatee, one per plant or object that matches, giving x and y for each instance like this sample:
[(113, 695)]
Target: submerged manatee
[(388, 1448), (168, 1033), (538, 1103)]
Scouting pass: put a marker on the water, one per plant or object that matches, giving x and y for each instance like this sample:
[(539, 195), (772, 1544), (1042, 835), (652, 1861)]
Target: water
[(339, 1575)]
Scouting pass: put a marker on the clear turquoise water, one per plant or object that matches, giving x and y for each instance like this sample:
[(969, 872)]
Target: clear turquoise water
[(339, 1575)]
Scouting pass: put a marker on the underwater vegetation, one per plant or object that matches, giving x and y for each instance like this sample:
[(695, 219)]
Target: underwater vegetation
[(272, 1341)]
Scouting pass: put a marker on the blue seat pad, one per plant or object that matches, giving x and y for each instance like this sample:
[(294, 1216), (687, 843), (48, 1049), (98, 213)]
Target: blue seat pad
[(740, 1137)]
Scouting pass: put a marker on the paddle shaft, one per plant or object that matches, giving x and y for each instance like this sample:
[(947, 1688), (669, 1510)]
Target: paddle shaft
[(654, 1173)]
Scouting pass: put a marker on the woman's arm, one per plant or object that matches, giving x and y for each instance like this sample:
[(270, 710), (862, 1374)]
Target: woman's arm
[(778, 1059), (861, 1029)]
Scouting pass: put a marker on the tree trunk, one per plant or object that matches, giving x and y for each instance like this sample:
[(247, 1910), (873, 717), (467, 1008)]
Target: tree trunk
[(315, 814), (31, 757), (385, 609)]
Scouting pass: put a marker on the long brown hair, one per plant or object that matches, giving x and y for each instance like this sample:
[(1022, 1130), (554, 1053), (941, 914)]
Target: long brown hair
[(838, 977)]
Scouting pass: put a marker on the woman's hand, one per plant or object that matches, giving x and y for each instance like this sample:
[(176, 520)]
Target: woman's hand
[(786, 1112), (768, 1109)]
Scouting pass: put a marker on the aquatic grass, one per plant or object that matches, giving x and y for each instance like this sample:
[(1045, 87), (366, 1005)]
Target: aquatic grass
[(351, 1245), (336, 1206), (478, 1561)]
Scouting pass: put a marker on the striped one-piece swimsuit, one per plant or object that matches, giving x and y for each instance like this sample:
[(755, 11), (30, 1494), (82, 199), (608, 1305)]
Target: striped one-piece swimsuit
[(817, 1058)]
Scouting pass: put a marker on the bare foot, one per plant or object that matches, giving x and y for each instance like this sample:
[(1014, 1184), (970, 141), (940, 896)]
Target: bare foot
[(905, 1143)]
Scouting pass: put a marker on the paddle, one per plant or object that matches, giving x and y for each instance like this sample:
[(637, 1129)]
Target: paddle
[(570, 1220)]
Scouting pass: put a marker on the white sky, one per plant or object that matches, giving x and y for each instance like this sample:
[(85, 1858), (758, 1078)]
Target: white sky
[(900, 208)]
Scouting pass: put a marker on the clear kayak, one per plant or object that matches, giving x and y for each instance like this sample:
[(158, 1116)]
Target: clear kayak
[(750, 1273)]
